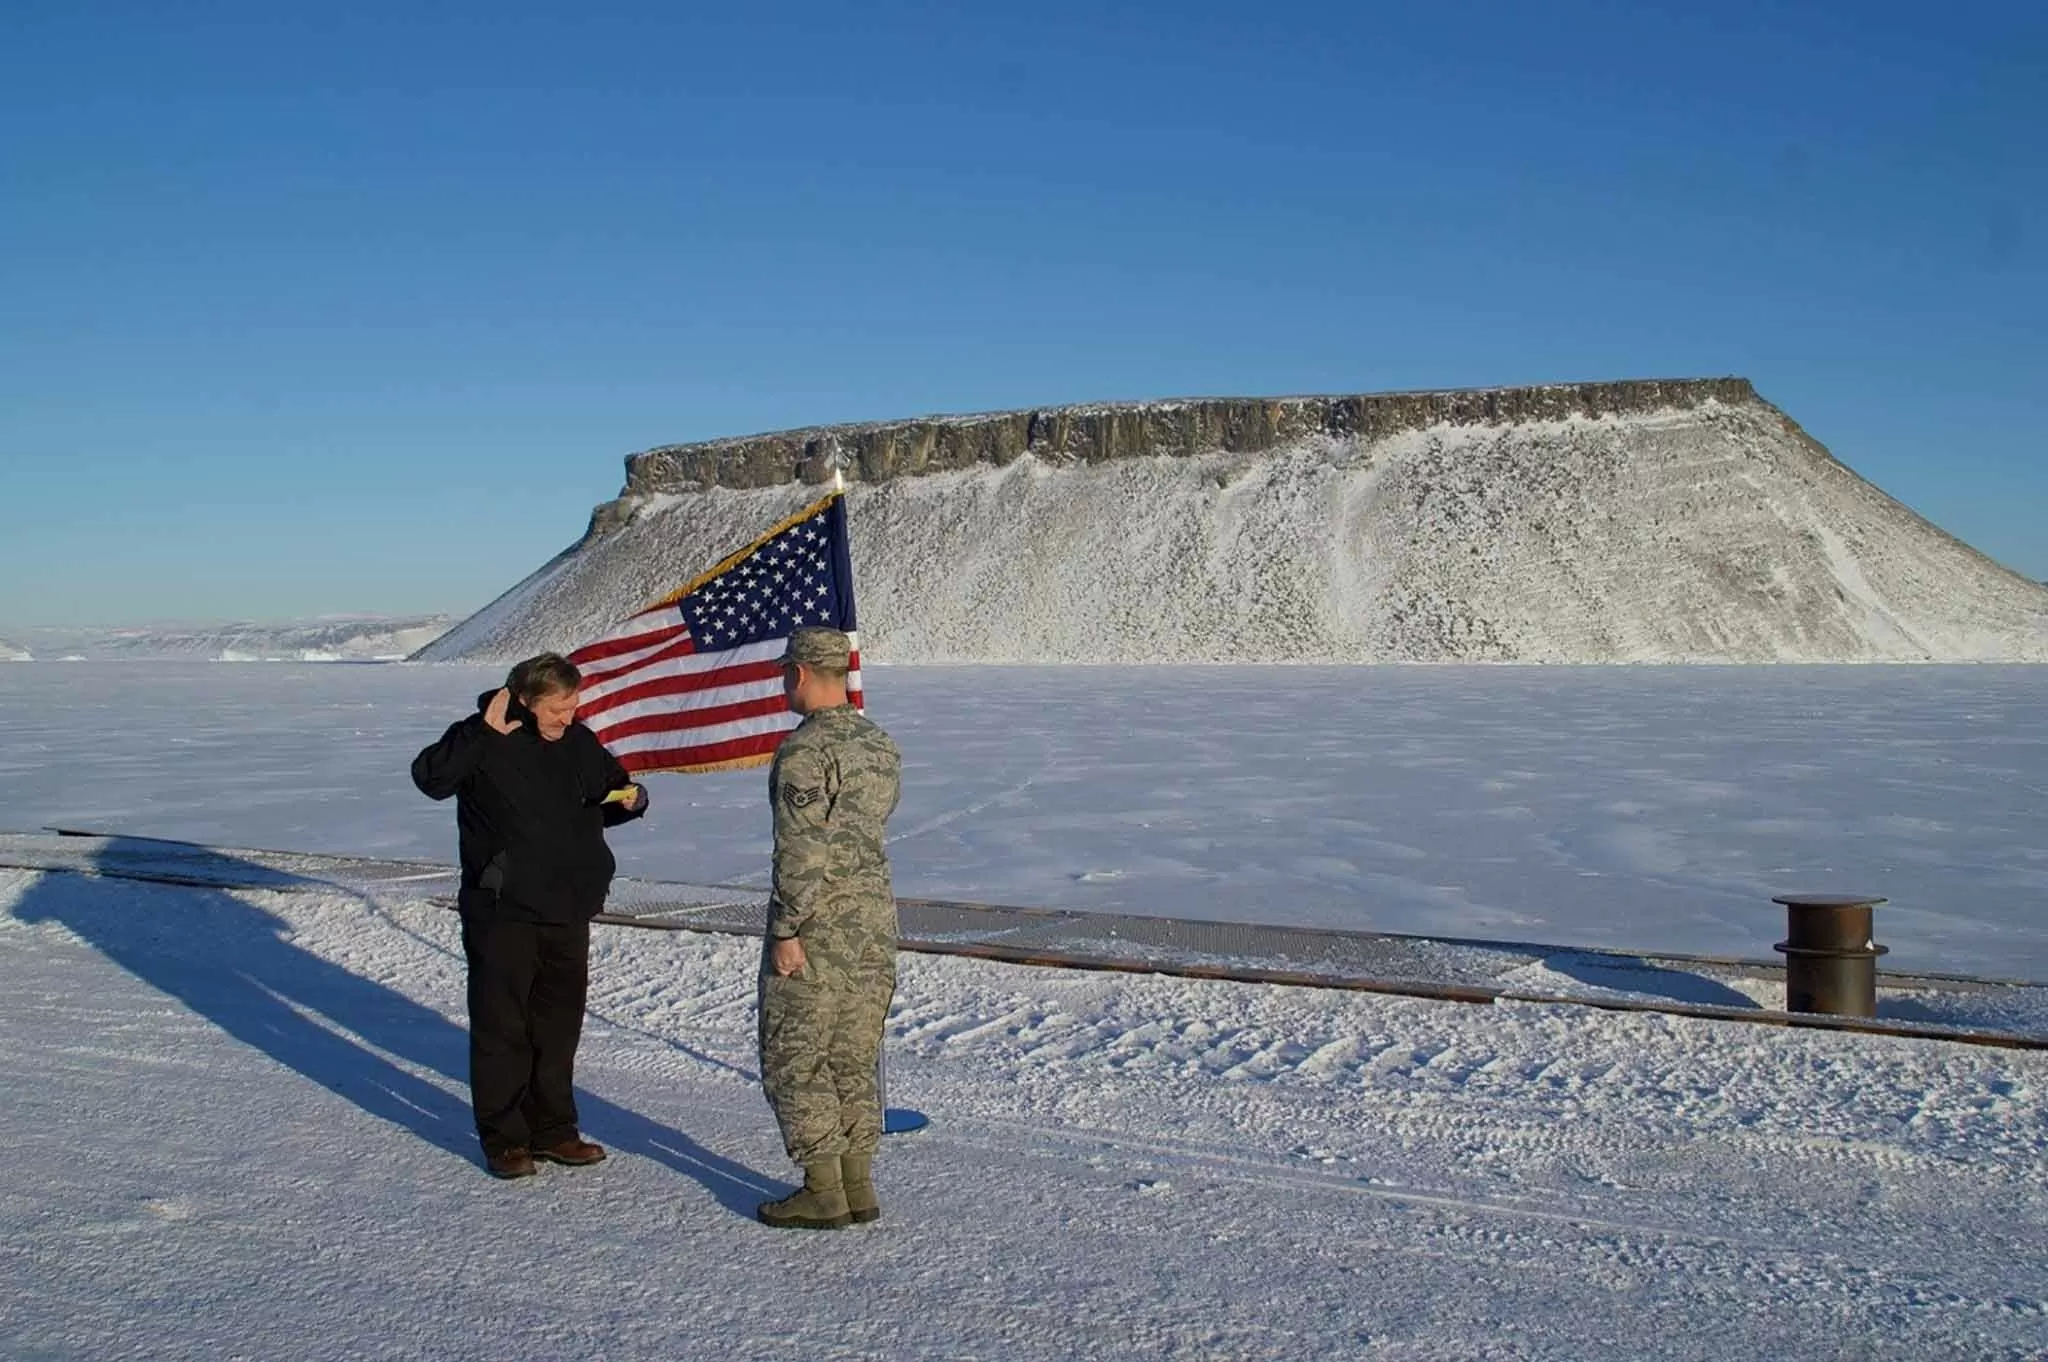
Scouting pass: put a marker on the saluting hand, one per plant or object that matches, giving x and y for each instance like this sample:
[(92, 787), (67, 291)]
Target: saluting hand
[(786, 956), (494, 712)]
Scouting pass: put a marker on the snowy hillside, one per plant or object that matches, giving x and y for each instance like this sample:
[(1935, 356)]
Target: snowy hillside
[(1622, 523), (347, 638)]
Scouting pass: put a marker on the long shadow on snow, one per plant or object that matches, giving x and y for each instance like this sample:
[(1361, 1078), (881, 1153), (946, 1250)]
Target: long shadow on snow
[(1627, 975), (232, 963)]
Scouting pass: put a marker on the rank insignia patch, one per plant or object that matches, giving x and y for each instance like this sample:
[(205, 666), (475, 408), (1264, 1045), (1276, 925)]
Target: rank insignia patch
[(801, 798)]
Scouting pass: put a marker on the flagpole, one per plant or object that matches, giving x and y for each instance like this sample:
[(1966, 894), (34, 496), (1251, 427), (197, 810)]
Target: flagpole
[(839, 490), (895, 1120)]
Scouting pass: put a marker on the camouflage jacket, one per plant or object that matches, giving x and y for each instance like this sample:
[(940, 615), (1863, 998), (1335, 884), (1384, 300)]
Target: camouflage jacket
[(834, 784)]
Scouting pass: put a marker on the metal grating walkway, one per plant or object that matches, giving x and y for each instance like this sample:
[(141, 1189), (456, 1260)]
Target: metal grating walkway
[(1999, 1012)]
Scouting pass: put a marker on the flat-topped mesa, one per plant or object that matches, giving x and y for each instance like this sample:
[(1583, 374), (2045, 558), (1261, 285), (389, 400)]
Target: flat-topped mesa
[(1640, 521), (876, 451)]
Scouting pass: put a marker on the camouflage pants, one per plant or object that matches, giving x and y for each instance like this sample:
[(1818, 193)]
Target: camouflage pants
[(821, 1039)]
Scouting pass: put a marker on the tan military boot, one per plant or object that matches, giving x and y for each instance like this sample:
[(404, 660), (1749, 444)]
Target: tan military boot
[(856, 1171), (821, 1205)]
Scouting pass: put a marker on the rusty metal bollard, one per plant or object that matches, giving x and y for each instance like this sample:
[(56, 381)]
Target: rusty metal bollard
[(1830, 956)]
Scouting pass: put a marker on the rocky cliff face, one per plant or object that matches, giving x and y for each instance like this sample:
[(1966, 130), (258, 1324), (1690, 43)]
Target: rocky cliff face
[(1089, 434), (1615, 522)]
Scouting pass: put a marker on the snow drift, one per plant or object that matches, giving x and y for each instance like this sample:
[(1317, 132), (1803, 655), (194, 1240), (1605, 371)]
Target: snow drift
[(1665, 521)]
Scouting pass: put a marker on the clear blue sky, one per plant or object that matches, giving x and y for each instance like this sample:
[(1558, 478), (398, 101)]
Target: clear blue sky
[(311, 309)]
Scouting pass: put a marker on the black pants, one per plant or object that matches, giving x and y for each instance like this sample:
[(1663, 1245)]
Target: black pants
[(527, 982)]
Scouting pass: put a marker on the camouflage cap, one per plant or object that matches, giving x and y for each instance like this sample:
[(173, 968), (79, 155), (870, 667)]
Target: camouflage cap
[(814, 645)]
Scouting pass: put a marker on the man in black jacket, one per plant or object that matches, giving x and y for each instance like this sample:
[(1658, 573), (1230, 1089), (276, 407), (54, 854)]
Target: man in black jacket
[(534, 791)]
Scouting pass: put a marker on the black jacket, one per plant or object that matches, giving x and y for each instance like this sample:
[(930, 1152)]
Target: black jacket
[(530, 814)]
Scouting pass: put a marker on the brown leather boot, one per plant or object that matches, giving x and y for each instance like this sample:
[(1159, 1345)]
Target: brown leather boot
[(856, 1173), (821, 1205), (574, 1151), (515, 1162)]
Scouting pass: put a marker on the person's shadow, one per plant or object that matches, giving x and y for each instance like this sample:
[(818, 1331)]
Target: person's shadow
[(234, 965)]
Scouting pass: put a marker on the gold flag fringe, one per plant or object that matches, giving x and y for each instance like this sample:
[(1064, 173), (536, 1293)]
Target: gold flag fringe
[(734, 764)]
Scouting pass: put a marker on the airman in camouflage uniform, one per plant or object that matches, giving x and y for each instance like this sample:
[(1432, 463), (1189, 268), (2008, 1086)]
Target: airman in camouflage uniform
[(828, 965)]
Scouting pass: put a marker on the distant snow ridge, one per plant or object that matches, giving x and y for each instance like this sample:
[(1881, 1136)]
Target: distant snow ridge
[(352, 638), (1668, 521)]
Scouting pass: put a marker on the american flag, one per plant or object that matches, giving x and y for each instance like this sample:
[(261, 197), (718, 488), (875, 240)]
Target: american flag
[(691, 682)]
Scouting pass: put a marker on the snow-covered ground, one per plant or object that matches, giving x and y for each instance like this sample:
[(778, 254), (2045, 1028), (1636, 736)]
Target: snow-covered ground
[(1642, 809), (240, 1126), (240, 1131)]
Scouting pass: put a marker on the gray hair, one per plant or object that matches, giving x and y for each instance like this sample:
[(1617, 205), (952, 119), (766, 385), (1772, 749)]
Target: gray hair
[(548, 674)]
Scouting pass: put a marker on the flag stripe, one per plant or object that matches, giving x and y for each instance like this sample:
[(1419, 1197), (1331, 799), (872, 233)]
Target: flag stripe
[(697, 721), (601, 674), (712, 736), (639, 634), (680, 658), (687, 672), (680, 698)]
